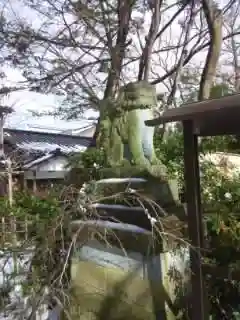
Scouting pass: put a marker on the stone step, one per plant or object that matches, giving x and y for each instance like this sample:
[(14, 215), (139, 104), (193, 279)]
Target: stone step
[(121, 180), (125, 236), (109, 225), (116, 207), (130, 202), (173, 229), (114, 185), (137, 215), (162, 192)]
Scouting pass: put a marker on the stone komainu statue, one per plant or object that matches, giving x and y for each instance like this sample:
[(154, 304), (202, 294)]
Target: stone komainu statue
[(123, 132)]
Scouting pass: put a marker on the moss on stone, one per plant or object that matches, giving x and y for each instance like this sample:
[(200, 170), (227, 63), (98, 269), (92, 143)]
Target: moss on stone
[(100, 293)]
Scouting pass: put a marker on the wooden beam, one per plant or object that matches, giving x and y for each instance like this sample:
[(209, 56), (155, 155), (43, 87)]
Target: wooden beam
[(205, 109), (195, 229)]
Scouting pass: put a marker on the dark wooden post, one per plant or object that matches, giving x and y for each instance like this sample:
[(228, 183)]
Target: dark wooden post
[(195, 227), (22, 181)]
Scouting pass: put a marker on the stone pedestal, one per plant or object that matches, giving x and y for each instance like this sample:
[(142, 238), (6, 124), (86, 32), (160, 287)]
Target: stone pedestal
[(125, 270), (161, 189), (120, 271)]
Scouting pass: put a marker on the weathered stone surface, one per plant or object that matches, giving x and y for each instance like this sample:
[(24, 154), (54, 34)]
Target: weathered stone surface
[(117, 279), (123, 133)]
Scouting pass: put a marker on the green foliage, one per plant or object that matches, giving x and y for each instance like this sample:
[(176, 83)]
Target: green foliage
[(33, 222), (218, 143), (221, 198), (220, 90), (91, 158), (170, 152), (221, 202), (29, 205)]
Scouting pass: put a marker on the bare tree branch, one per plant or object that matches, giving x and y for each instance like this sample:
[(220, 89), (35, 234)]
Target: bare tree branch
[(191, 54), (144, 65)]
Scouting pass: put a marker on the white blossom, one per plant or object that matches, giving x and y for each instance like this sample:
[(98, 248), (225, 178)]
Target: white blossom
[(228, 196), (150, 218), (96, 165), (83, 189), (82, 208), (210, 196)]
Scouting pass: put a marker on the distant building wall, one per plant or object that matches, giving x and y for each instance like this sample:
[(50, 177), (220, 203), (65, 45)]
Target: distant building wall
[(54, 164)]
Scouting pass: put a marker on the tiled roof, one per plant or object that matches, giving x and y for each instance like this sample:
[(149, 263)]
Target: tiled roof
[(38, 160), (46, 142), (28, 146)]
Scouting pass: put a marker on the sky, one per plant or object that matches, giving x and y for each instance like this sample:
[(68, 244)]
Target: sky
[(25, 102)]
